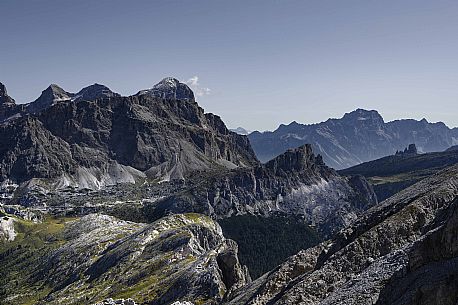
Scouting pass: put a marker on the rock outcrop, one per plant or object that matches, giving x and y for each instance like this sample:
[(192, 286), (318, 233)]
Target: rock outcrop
[(410, 150), (98, 257), (402, 251)]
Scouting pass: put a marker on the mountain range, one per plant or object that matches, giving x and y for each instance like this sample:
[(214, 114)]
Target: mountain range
[(110, 199), (391, 174), (359, 136)]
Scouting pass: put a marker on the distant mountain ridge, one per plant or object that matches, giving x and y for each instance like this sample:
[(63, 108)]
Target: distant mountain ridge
[(391, 174), (241, 131), (359, 136)]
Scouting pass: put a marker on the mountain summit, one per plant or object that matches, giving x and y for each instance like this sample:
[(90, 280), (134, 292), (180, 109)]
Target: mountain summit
[(93, 92), (50, 96), (170, 88), (359, 136)]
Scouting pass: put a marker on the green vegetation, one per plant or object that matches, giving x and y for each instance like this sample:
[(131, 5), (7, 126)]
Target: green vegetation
[(265, 242), (20, 258)]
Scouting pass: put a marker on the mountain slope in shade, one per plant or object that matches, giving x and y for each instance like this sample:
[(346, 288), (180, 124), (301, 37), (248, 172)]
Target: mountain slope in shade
[(8, 106), (357, 137), (392, 174), (403, 251), (112, 139)]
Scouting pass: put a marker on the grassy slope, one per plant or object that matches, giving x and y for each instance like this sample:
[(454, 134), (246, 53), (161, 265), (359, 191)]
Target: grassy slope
[(392, 174)]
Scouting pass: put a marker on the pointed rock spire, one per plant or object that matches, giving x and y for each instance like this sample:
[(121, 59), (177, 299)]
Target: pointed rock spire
[(4, 97), (297, 159), (50, 96)]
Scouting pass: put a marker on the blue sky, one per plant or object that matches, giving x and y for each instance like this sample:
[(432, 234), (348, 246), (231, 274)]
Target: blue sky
[(257, 63)]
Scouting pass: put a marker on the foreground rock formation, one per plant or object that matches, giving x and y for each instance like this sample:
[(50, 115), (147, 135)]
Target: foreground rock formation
[(88, 260), (403, 251)]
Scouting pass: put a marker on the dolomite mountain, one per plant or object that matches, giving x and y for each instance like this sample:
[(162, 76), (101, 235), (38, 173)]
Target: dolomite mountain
[(95, 137), (295, 183), (161, 135), (357, 137), (108, 199)]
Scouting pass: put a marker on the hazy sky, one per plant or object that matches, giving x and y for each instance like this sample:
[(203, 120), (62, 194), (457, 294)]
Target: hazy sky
[(257, 63)]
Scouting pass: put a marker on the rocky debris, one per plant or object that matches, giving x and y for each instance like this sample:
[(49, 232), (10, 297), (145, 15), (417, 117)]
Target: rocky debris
[(7, 232), (177, 258), (393, 254), (359, 136), (170, 88), (113, 139), (21, 212), (116, 302)]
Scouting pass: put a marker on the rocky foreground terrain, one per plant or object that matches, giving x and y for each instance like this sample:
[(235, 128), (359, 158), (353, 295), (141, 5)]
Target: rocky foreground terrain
[(96, 257), (403, 251)]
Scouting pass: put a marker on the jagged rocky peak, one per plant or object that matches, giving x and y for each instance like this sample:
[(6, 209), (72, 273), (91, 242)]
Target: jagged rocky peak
[(363, 115), (170, 88), (4, 97), (297, 159), (410, 150), (93, 92), (50, 96)]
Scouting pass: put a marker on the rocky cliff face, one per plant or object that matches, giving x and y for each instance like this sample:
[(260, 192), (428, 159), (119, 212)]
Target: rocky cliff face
[(295, 183), (8, 107), (84, 261), (71, 141), (403, 251), (357, 137)]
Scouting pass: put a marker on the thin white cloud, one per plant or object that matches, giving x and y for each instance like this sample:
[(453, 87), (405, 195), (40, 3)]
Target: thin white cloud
[(193, 82)]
